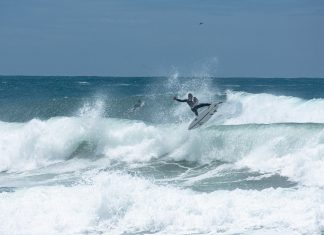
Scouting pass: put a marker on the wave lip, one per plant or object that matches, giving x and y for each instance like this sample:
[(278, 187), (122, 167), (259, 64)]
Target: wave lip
[(37, 143), (25, 146), (245, 108)]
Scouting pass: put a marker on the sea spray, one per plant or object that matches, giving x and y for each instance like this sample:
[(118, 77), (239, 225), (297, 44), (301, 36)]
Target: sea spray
[(74, 161)]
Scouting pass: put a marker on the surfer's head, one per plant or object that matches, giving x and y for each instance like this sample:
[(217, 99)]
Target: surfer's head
[(189, 96)]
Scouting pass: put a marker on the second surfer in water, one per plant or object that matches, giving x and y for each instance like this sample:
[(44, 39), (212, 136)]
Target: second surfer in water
[(138, 105), (192, 102)]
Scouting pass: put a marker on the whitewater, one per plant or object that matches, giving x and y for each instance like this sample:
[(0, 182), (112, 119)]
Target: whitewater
[(75, 158)]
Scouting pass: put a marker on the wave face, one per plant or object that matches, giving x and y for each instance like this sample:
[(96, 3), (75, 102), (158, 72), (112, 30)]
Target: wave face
[(77, 156)]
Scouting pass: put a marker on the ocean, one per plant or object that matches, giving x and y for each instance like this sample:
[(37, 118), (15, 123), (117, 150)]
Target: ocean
[(76, 157)]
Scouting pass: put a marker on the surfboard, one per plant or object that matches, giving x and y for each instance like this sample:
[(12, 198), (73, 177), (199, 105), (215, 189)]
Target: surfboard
[(204, 116)]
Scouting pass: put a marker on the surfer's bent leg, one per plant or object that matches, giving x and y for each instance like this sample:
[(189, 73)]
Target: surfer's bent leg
[(202, 105), (194, 109)]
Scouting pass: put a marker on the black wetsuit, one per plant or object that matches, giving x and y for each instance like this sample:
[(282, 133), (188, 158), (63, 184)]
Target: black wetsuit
[(194, 106)]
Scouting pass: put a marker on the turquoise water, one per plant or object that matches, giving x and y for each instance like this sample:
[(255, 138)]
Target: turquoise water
[(24, 97), (76, 158)]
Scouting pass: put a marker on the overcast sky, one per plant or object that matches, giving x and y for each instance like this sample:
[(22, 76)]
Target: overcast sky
[(258, 38)]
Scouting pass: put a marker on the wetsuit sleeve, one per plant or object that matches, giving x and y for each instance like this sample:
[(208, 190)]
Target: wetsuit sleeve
[(185, 100)]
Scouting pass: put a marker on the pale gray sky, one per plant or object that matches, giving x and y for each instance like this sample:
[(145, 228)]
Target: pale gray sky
[(259, 38)]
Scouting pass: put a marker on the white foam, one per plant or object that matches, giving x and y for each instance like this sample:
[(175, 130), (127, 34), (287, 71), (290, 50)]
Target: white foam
[(113, 203), (25, 146), (291, 150), (37, 143), (243, 108)]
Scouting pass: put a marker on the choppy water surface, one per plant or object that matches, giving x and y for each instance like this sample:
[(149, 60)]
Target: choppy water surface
[(76, 158)]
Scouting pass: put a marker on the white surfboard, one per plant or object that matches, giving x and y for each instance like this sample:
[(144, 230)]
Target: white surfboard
[(204, 116)]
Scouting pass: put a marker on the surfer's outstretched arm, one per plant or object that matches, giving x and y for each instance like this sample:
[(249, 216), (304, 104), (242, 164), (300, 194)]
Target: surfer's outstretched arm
[(179, 100)]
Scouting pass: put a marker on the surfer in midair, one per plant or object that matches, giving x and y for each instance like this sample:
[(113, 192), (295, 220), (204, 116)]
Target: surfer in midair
[(192, 102)]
